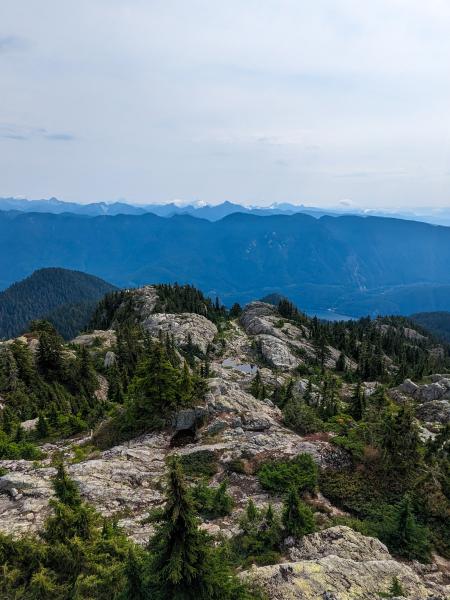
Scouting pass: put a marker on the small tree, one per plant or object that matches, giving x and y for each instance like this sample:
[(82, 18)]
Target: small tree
[(358, 402), (408, 538), (134, 577), (298, 518), (185, 564), (396, 588), (66, 489), (42, 427)]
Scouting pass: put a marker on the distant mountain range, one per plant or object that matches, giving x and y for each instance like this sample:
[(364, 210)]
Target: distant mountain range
[(352, 265), (66, 298), (209, 212)]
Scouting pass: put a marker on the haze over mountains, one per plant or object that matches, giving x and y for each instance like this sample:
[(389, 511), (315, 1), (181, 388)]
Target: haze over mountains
[(214, 212), (352, 265)]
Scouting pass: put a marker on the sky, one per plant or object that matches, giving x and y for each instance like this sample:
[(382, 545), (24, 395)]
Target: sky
[(254, 101)]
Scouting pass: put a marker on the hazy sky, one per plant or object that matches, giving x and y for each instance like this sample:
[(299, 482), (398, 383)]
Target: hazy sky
[(245, 100)]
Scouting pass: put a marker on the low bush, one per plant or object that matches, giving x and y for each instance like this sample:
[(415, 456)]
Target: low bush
[(212, 503), (199, 464), (279, 476)]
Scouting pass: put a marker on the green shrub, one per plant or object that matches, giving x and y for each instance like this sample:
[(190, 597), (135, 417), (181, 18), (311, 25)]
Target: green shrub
[(302, 418), (260, 537), (199, 464), (279, 476), (212, 502), (18, 450)]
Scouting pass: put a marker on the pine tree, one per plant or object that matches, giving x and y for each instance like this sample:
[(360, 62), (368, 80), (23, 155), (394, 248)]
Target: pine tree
[(222, 503), (86, 371), (135, 588), (256, 385), (65, 488), (358, 402), (341, 363), (155, 391), (408, 538), (72, 518), (9, 374), (400, 442), (49, 357), (185, 564), (251, 511), (298, 519), (235, 310), (307, 396), (396, 588)]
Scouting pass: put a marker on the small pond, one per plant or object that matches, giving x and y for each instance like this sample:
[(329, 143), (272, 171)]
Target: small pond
[(247, 368)]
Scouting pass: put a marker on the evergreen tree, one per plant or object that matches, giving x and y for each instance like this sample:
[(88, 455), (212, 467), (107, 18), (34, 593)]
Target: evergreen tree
[(186, 386), (9, 373), (65, 488), (235, 311), (307, 396), (400, 443), (298, 518), (86, 372), (49, 357), (135, 588), (341, 363), (396, 588), (256, 385), (408, 538), (358, 402), (155, 391), (185, 564), (72, 518), (251, 511)]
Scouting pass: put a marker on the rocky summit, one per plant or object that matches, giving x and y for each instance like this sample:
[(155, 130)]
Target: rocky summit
[(275, 386)]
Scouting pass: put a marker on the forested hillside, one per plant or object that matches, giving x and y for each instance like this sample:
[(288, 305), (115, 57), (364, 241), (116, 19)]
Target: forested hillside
[(66, 298), (354, 265), (438, 323)]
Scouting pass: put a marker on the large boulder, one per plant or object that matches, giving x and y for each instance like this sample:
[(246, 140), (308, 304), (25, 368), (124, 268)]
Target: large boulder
[(436, 411), (99, 337), (254, 318), (342, 564), (438, 389), (184, 326), (339, 541), (277, 352), (189, 418)]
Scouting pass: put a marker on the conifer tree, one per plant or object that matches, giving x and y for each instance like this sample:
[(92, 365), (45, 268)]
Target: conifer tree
[(396, 588), (65, 488), (341, 364), (185, 564), (49, 357), (400, 442), (298, 519), (155, 391), (9, 374), (358, 402), (408, 538), (135, 588), (256, 385), (307, 396), (235, 310)]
